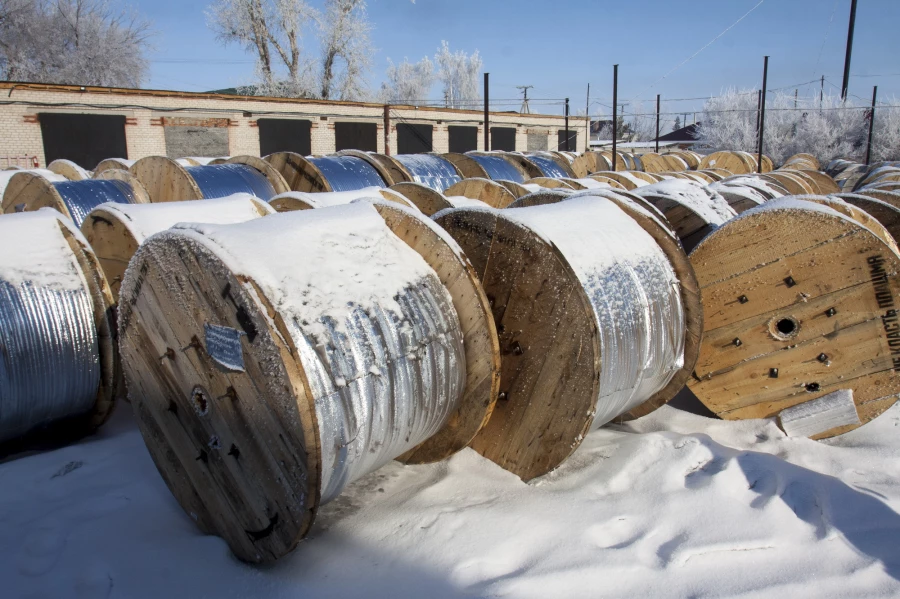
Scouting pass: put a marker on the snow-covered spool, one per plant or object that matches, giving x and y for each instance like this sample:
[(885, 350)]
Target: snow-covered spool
[(426, 199), (27, 192), (591, 315), (168, 180), (590, 162), (490, 192), (802, 162), (114, 164), (736, 163), (693, 210), (629, 180), (68, 169), (885, 213), (548, 183), (517, 189), (325, 173), (7, 175), (115, 231), (59, 369), (298, 200), (799, 300), (238, 378), (430, 170)]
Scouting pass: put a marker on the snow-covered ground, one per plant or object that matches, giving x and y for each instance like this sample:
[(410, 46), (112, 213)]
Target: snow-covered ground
[(673, 505)]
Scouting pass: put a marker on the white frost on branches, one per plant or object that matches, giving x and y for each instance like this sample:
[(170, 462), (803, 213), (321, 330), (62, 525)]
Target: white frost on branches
[(81, 42), (408, 83), (459, 71), (273, 30), (827, 128)]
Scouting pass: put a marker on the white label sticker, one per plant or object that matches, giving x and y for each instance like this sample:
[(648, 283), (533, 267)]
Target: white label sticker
[(223, 344)]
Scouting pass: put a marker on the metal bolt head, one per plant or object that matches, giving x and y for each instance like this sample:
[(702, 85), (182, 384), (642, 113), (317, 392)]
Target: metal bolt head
[(737, 342), (830, 312), (517, 349), (502, 396), (773, 373), (790, 282), (743, 299), (822, 358), (812, 387)]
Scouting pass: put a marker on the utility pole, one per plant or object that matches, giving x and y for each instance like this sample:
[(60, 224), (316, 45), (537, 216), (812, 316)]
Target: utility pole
[(587, 116), (615, 108), (758, 108), (762, 115), (822, 93), (387, 130), (871, 126), (845, 86), (567, 125), (525, 108), (487, 113), (796, 91), (657, 123)]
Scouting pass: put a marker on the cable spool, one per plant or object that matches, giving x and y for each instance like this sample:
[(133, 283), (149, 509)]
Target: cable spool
[(468, 167), (426, 199), (525, 166), (68, 169), (7, 175), (278, 385), (693, 210), (325, 173), (886, 214), (586, 183), (743, 192), (591, 320), (114, 164), (891, 197), (552, 166), (27, 192), (517, 189), (59, 370), (629, 180), (547, 183), (298, 200), (388, 169), (430, 170), (168, 181), (115, 231), (490, 192), (800, 301), (497, 167)]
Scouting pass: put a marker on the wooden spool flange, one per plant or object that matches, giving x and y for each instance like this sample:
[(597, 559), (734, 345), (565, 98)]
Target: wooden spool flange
[(549, 183), (113, 163), (689, 222), (389, 170), (290, 202), (427, 200), (886, 214), (792, 312), (490, 192), (299, 173), (240, 450), (115, 235), (466, 165), (68, 169), (165, 180), (514, 188), (271, 174)]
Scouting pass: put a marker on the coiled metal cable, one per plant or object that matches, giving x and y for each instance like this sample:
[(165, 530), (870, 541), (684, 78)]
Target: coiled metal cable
[(80, 197), (498, 168), (223, 180), (49, 363), (430, 170), (633, 291), (347, 173), (548, 166)]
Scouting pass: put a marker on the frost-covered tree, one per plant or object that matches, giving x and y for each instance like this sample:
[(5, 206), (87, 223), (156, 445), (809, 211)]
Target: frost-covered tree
[(346, 50), (408, 83), (83, 42), (677, 124), (643, 126), (459, 72), (886, 137)]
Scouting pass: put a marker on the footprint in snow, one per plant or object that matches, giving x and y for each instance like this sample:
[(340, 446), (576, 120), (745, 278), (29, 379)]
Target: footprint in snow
[(613, 534)]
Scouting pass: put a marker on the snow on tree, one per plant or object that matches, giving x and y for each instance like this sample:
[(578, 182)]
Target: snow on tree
[(408, 83), (82, 42), (886, 137), (642, 126), (346, 50), (677, 124), (459, 72)]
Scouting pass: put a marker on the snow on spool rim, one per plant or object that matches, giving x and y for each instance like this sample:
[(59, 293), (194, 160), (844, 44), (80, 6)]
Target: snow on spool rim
[(887, 214), (68, 169), (58, 262), (28, 192), (541, 267), (799, 300), (116, 230), (426, 199), (299, 200), (490, 192), (238, 420), (113, 164)]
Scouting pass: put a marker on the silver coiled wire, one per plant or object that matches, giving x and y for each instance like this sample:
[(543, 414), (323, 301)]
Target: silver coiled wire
[(498, 168), (347, 173), (223, 180), (548, 166), (49, 363), (80, 197), (430, 170), (633, 291)]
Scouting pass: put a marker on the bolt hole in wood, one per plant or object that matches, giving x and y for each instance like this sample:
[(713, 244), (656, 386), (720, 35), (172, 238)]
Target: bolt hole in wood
[(784, 328), (200, 401)]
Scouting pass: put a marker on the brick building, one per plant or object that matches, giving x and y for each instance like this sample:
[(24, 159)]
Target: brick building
[(87, 124)]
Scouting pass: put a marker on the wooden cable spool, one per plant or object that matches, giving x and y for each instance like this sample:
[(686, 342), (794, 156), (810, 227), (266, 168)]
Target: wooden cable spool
[(691, 209), (654, 163), (115, 231), (514, 188), (734, 162), (549, 183), (274, 176), (627, 179), (424, 198), (550, 337), (298, 200), (691, 159), (804, 161), (891, 197), (27, 192), (793, 183), (609, 181), (299, 173), (68, 169), (239, 424), (885, 213), (490, 192), (798, 301), (168, 180), (113, 164), (466, 165), (70, 247), (389, 169)]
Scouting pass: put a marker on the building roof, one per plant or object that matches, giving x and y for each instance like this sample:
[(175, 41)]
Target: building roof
[(684, 135)]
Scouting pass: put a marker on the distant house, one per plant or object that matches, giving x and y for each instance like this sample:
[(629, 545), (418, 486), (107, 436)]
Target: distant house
[(682, 139), (686, 135)]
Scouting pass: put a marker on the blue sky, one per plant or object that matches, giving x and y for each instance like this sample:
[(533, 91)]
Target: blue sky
[(560, 46)]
